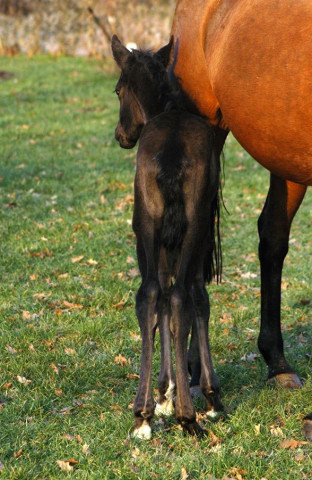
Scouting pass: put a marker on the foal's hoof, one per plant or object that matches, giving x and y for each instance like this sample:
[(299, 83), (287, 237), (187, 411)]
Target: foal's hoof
[(286, 380), (164, 409), (307, 427), (142, 431), (194, 429)]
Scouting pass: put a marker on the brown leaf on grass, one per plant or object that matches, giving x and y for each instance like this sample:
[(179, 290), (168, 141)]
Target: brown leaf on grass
[(77, 259), (92, 262), (68, 436), (63, 275), (18, 453), (119, 305), (54, 368), (42, 254), (292, 443), (237, 472), (119, 359), (213, 439), (26, 315), (7, 386), (70, 351), (184, 475), (65, 466), (73, 306), (135, 336)]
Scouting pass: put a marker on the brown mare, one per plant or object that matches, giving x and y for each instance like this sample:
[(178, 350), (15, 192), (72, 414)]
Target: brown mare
[(247, 65)]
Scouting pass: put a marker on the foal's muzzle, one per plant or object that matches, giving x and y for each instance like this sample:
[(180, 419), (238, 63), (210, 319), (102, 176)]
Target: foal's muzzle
[(122, 138)]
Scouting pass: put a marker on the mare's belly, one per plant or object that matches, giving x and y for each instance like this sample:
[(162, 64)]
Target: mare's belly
[(261, 74)]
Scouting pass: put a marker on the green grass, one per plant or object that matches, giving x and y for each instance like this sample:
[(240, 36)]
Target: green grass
[(66, 192)]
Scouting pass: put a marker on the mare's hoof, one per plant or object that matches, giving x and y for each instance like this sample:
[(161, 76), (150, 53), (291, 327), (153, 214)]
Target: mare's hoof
[(143, 431), (307, 427), (286, 380), (194, 429)]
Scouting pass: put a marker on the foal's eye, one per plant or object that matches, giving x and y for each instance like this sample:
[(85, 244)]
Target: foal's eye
[(117, 91)]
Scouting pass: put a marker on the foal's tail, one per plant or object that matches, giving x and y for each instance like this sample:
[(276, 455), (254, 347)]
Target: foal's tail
[(170, 183)]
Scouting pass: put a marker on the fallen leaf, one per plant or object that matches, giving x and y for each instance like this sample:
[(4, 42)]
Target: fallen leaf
[(135, 336), (85, 449), (54, 367), (276, 431), (92, 262), (214, 440), (18, 453), (63, 275), (121, 360), (70, 351), (292, 443), (184, 475), (8, 385), (23, 380), (72, 305), (65, 466), (77, 259), (11, 350), (26, 315), (257, 429)]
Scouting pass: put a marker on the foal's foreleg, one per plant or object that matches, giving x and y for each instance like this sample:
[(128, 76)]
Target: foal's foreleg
[(283, 200)]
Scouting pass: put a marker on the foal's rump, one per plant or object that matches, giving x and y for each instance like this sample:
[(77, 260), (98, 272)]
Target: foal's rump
[(177, 176)]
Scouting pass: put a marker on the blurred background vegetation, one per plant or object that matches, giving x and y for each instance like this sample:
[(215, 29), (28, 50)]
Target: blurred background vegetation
[(81, 27)]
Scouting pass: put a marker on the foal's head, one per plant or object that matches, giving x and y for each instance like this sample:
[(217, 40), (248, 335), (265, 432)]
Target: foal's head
[(142, 89)]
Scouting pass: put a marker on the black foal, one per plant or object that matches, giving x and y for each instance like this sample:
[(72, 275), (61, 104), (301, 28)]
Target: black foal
[(175, 216)]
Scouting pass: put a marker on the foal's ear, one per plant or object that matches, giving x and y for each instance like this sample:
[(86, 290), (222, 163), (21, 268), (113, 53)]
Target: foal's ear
[(165, 52), (120, 52)]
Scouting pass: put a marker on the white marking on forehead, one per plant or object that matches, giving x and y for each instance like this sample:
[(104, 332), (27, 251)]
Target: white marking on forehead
[(144, 432)]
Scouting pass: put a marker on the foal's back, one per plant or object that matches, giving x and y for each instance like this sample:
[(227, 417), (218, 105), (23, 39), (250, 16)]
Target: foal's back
[(177, 176)]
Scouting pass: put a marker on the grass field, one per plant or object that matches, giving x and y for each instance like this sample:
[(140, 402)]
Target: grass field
[(69, 341)]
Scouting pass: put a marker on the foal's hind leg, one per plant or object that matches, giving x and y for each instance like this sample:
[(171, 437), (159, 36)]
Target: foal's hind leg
[(182, 317), (166, 380), (283, 200), (146, 302), (209, 382)]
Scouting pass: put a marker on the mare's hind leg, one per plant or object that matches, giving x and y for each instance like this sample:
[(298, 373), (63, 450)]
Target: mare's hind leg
[(208, 381), (283, 200)]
